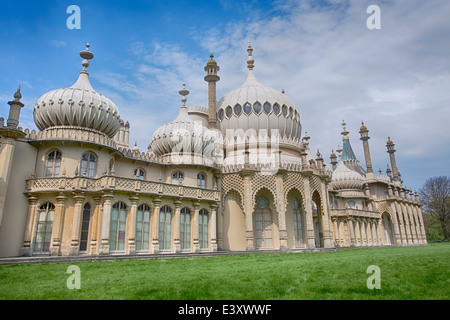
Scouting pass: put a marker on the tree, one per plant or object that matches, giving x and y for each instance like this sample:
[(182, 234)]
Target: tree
[(435, 197)]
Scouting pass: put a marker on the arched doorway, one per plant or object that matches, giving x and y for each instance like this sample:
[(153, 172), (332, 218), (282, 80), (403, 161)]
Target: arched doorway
[(263, 223), (388, 229), (317, 219)]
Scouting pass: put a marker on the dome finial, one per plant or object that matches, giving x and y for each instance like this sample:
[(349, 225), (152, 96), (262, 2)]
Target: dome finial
[(344, 132), (250, 61), (86, 55), (184, 92)]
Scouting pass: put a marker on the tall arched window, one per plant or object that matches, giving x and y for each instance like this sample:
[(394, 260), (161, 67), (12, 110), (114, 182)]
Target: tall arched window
[(203, 228), (44, 226), (85, 227), (201, 180), (263, 224), (53, 164), (177, 177), (117, 230), (185, 228), (298, 224), (88, 164), (165, 220), (142, 227)]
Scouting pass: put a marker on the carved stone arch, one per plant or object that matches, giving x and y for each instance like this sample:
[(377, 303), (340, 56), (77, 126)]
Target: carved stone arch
[(237, 196), (267, 181), (301, 191)]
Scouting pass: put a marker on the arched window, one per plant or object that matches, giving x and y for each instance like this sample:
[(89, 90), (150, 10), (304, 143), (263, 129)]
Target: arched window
[(257, 107), (85, 227), (276, 108), (201, 180), (185, 228), (351, 204), (267, 107), (263, 224), (247, 108), (165, 220), (139, 173), (44, 226), (142, 227), (177, 177), (117, 230), (298, 224), (53, 164), (203, 228), (88, 164)]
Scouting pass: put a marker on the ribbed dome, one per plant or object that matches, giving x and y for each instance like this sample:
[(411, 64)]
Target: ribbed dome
[(257, 107), (78, 106), (345, 178), (183, 136)]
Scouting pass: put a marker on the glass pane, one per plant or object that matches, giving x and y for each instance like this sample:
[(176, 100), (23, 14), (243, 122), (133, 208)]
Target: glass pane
[(267, 107), (257, 107), (247, 108)]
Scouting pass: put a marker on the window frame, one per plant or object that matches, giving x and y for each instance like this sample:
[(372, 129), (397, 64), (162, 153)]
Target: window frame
[(54, 166), (90, 172), (180, 175)]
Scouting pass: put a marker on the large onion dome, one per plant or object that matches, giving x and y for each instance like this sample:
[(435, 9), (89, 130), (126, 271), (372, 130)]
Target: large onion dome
[(78, 106), (184, 136), (258, 109), (345, 178)]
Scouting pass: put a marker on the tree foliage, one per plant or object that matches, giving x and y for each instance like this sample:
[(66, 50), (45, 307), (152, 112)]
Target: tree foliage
[(435, 197)]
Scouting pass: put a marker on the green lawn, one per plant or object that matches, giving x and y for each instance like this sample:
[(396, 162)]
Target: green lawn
[(406, 273)]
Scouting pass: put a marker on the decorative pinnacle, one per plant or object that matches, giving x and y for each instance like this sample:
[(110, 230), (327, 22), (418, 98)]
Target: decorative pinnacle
[(211, 56), (345, 132), (184, 92), (250, 61), (86, 55), (17, 95)]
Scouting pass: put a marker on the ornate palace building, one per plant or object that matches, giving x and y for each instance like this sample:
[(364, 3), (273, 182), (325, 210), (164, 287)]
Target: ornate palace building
[(237, 175)]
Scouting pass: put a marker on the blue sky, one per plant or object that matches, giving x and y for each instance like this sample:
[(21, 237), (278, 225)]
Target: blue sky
[(331, 65)]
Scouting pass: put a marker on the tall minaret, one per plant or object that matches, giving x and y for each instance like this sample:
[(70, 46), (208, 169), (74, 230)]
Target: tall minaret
[(211, 77), (365, 139), (390, 149), (10, 134)]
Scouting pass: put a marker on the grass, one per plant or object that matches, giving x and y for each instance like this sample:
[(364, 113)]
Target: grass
[(406, 273)]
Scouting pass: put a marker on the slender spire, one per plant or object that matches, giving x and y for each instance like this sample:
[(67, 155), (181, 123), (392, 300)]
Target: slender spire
[(250, 60), (184, 92), (86, 55)]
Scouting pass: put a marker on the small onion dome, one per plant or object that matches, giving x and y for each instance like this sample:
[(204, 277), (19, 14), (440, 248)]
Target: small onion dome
[(78, 106), (389, 142), (185, 135), (363, 127), (345, 178), (211, 61)]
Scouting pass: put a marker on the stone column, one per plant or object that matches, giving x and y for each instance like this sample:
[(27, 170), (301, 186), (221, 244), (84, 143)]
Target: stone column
[(76, 225), (213, 228), (131, 248), (194, 228), (281, 212), (176, 228), (155, 225), (326, 219), (58, 223), (422, 226), (358, 232), (29, 227), (248, 211), (106, 224), (94, 229), (337, 237), (310, 237), (351, 231)]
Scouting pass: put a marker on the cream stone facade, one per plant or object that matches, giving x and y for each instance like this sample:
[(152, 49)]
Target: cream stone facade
[(237, 175)]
